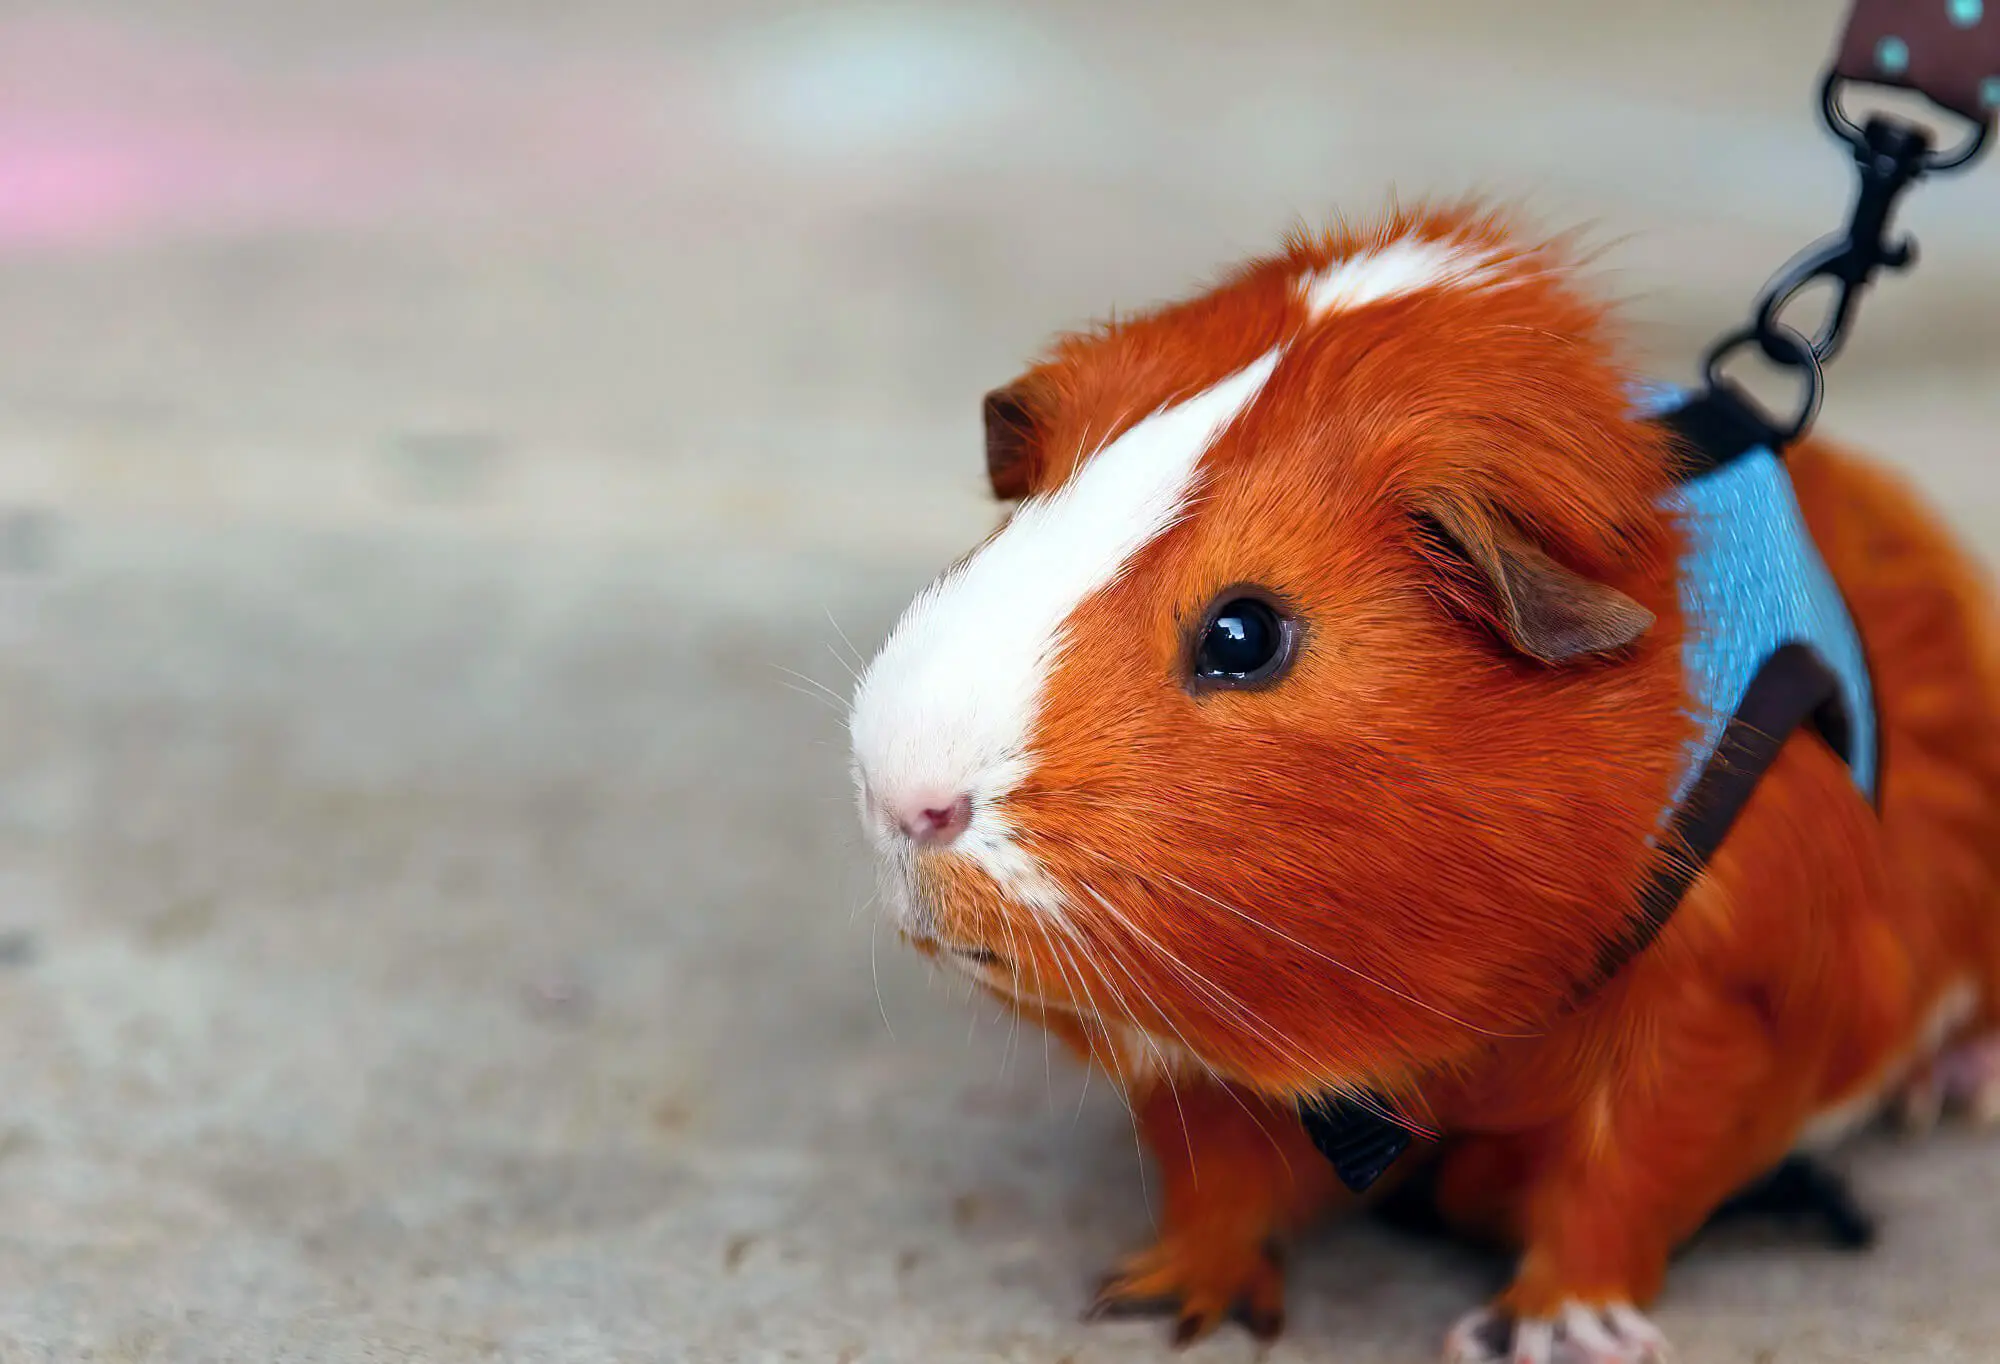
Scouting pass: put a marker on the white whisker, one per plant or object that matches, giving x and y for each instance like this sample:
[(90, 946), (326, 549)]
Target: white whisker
[(859, 662), (1120, 1085), (1242, 1016), (828, 692), (1240, 1013), (1342, 966), (1165, 1062), (813, 696), (875, 970)]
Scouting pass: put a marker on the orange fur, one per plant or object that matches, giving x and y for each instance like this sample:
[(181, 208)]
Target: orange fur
[(1389, 870)]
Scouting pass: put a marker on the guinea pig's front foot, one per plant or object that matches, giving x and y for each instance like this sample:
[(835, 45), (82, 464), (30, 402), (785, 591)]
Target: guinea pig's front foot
[(1611, 1333), (1964, 1079), (1969, 1075), (1201, 1282), (1240, 1173)]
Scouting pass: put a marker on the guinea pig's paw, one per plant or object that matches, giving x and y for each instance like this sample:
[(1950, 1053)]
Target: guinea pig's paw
[(1969, 1077), (1201, 1280), (1919, 1105), (1614, 1333)]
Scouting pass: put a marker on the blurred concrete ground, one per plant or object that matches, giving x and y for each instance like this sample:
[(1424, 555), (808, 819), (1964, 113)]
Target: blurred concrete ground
[(430, 439)]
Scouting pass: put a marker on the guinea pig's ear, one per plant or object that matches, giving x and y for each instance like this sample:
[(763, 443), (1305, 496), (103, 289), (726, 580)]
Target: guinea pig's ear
[(1015, 418), (1546, 611)]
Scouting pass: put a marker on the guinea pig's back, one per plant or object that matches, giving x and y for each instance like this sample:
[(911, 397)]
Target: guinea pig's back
[(1931, 626)]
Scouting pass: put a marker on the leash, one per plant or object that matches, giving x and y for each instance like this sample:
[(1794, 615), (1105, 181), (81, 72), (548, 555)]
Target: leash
[(1948, 52), (1945, 50)]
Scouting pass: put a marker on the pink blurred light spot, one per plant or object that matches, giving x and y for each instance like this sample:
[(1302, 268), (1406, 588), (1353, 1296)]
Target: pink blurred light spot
[(108, 135), (115, 135), (72, 181)]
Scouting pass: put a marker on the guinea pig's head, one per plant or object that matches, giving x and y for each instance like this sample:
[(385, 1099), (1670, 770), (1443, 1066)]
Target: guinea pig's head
[(1314, 707)]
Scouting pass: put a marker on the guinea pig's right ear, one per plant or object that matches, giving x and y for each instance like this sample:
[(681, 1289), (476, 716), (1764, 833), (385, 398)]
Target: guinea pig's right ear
[(1549, 612), (1016, 417)]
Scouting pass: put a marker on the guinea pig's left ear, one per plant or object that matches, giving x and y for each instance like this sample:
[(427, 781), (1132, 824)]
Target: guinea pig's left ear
[(1546, 611), (1015, 418)]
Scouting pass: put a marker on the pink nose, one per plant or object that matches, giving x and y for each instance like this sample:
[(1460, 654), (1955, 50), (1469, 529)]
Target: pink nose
[(931, 818)]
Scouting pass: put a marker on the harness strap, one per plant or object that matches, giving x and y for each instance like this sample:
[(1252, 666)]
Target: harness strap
[(1360, 1136), (1793, 689)]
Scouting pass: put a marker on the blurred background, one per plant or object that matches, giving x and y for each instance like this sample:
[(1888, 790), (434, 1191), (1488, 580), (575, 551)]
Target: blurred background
[(442, 448)]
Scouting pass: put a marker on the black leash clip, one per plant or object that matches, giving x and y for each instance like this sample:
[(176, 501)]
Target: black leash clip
[(1890, 155)]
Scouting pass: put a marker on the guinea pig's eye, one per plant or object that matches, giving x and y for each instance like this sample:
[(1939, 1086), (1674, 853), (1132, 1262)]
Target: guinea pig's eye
[(1245, 641)]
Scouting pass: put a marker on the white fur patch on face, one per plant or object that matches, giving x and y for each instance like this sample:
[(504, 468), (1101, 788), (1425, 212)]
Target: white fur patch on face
[(949, 703), (1401, 267)]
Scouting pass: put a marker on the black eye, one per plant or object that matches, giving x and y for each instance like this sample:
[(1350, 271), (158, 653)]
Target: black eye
[(1246, 642)]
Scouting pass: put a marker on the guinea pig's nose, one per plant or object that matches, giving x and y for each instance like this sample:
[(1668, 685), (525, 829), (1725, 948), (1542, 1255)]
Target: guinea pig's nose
[(930, 819)]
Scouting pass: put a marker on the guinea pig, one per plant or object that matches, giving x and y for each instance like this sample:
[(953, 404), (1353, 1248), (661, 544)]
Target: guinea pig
[(1311, 724)]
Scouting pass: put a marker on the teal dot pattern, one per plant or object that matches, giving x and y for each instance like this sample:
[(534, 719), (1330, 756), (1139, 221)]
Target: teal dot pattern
[(1966, 13), (1892, 56), (1989, 92)]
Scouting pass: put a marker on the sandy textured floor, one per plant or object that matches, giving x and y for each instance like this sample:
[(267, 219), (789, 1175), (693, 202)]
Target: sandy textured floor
[(427, 907)]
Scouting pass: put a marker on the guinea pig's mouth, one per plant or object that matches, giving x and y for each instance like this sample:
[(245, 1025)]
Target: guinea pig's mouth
[(982, 958), (923, 917), (982, 964)]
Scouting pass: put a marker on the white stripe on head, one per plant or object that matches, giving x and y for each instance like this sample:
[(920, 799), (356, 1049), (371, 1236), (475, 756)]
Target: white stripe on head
[(1401, 267), (950, 700)]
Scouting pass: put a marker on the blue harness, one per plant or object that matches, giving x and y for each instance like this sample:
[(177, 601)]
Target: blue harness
[(1752, 584), (1770, 648)]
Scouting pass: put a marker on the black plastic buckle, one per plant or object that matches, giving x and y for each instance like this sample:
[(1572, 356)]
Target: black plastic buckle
[(1359, 1140)]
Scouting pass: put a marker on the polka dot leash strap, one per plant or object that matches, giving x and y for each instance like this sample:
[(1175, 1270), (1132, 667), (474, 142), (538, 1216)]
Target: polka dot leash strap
[(1949, 52), (1946, 50)]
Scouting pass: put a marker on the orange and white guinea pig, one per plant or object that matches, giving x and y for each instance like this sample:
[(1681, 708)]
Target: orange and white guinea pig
[(1306, 729)]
